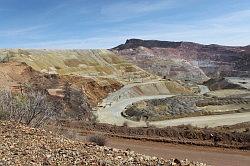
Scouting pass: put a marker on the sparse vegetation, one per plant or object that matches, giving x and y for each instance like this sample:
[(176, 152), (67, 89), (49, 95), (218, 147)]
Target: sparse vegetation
[(6, 58), (98, 139), (31, 108), (125, 124)]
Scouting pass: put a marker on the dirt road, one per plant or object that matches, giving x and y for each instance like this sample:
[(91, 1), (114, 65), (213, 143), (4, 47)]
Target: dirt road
[(111, 114), (210, 121), (209, 155), (110, 109)]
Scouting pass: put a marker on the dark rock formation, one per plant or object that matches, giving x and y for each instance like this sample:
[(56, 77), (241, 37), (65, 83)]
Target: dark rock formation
[(134, 43)]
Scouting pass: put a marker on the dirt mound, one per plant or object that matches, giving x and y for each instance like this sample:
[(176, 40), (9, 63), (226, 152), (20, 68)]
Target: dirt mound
[(21, 145), (221, 83), (149, 89), (15, 73)]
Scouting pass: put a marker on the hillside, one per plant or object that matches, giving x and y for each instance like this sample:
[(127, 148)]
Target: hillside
[(186, 60), (96, 73), (21, 145), (85, 63)]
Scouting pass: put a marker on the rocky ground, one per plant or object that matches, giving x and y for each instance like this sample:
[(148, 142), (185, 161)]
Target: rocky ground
[(20, 145)]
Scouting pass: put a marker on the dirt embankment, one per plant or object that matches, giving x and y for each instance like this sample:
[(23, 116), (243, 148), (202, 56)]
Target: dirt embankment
[(75, 95), (95, 90), (13, 75), (220, 137)]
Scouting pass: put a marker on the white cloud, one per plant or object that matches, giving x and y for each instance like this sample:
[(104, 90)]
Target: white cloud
[(22, 31), (120, 11), (237, 16), (72, 43), (229, 29)]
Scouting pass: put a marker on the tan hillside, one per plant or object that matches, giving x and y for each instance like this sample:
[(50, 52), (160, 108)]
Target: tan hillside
[(95, 72), (15, 74), (86, 63)]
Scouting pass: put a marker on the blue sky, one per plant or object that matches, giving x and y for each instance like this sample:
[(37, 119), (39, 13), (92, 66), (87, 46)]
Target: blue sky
[(107, 23)]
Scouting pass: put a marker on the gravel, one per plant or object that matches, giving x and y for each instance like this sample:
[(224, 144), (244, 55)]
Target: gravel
[(21, 145)]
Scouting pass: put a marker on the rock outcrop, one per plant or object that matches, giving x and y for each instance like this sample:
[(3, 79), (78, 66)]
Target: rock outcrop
[(186, 60)]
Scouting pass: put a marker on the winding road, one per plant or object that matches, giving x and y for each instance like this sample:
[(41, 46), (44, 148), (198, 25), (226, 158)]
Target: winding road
[(110, 112)]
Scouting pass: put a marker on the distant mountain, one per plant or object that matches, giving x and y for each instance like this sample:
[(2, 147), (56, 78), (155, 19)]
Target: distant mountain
[(187, 61)]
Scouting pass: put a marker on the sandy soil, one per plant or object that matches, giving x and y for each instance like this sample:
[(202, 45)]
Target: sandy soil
[(229, 92), (209, 155), (244, 82), (225, 108)]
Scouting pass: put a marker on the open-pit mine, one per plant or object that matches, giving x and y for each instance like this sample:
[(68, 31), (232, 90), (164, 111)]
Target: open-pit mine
[(157, 91)]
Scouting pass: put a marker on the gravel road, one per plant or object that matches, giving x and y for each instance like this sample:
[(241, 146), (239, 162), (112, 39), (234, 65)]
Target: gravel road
[(111, 114), (109, 111)]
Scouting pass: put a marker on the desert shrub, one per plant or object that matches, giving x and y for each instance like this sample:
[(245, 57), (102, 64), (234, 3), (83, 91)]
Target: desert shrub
[(94, 119), (31, 108), (4, 59), (4, 115), (125, 124), (98, 139), (77, 102), (7, 57)]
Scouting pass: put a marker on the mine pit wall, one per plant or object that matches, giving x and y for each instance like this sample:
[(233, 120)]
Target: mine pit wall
[(160, 88), (149, 89), (214, 60)]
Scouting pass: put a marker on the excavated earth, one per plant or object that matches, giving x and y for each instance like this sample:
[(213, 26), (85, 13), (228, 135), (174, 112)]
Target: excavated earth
[(100, 78), (85, 63), (187, 61), (84, 92), (21, 145)]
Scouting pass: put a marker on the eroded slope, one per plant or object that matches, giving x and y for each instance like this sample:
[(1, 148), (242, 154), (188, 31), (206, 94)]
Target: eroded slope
[(85, 63), (186, 60)]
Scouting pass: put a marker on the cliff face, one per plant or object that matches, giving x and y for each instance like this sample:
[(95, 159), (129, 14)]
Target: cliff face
[(187, 60), (134, 43)]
